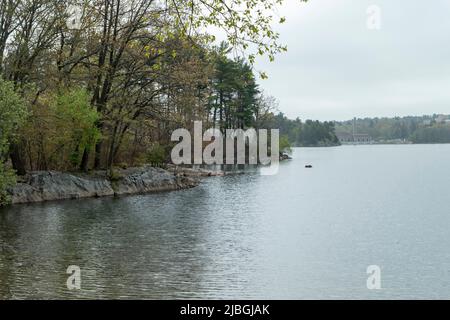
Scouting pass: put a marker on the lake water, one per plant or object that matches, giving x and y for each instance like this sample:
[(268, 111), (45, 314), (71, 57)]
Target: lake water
[(300, 234)]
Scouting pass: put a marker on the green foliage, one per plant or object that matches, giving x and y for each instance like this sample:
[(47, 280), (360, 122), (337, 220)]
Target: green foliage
[(247, 24), (156, 155), (315, 133), (13, 113), (435, 134), (234, 91), (285, 145), (7, 179), (303, 134), (62, 127), (146, 67), (75, 120), (115, 176)]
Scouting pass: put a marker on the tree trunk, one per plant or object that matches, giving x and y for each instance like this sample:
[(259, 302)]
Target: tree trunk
[(98, 155), (85, 160), (98, 146), (17, 159), (111, 153)]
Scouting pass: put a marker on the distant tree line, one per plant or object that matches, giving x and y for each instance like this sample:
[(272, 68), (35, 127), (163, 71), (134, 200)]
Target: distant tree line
[(300, 133), (433, 134), (421, 129)]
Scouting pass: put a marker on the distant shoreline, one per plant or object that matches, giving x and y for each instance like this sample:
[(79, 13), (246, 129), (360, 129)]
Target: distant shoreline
[(376, 144)]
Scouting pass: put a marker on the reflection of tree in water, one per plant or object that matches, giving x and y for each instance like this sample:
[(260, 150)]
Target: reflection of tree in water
[(125, 247), (168, 245)]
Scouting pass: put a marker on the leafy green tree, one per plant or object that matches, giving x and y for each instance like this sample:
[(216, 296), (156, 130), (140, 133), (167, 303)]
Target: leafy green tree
[(235, 93), (147, 67), (285, 145), (248, 24), (76, 124), (156, 155), (13, 112), (247, 95), (62, 127)]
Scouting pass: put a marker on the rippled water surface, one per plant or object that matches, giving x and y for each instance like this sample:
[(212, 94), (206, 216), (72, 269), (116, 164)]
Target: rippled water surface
[(303, 233)]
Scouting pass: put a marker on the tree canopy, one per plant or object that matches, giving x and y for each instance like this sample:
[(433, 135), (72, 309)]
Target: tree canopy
[(106, 81)]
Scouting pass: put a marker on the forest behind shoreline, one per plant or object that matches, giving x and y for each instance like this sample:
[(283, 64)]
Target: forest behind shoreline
[(87, 85)]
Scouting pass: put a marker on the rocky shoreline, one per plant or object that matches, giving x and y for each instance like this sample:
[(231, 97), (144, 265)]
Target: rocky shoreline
[(40, 186)]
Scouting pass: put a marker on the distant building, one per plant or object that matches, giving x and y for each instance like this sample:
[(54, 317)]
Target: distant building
[(354, 137), (357, 138), (362, 138)]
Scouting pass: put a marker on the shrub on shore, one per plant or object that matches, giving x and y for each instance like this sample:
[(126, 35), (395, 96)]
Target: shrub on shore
[(13, 112)]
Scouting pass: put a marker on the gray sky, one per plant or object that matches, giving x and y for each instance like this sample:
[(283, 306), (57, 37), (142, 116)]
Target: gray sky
[(336, 68)]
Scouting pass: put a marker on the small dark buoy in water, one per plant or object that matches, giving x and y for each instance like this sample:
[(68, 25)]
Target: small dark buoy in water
[(308, 166)]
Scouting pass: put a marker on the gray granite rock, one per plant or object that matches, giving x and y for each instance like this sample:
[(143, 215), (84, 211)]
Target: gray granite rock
[(51, 185), (42, 186), (149, 179)]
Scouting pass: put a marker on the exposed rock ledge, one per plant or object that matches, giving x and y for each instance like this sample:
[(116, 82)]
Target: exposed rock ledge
[(191, 172), (42, 186)]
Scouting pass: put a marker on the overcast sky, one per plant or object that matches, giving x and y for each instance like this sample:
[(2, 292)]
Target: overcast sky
[(337, 69)]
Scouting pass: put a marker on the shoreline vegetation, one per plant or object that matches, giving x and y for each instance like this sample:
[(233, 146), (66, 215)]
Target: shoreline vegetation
[(101, 85), (91, 86)]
